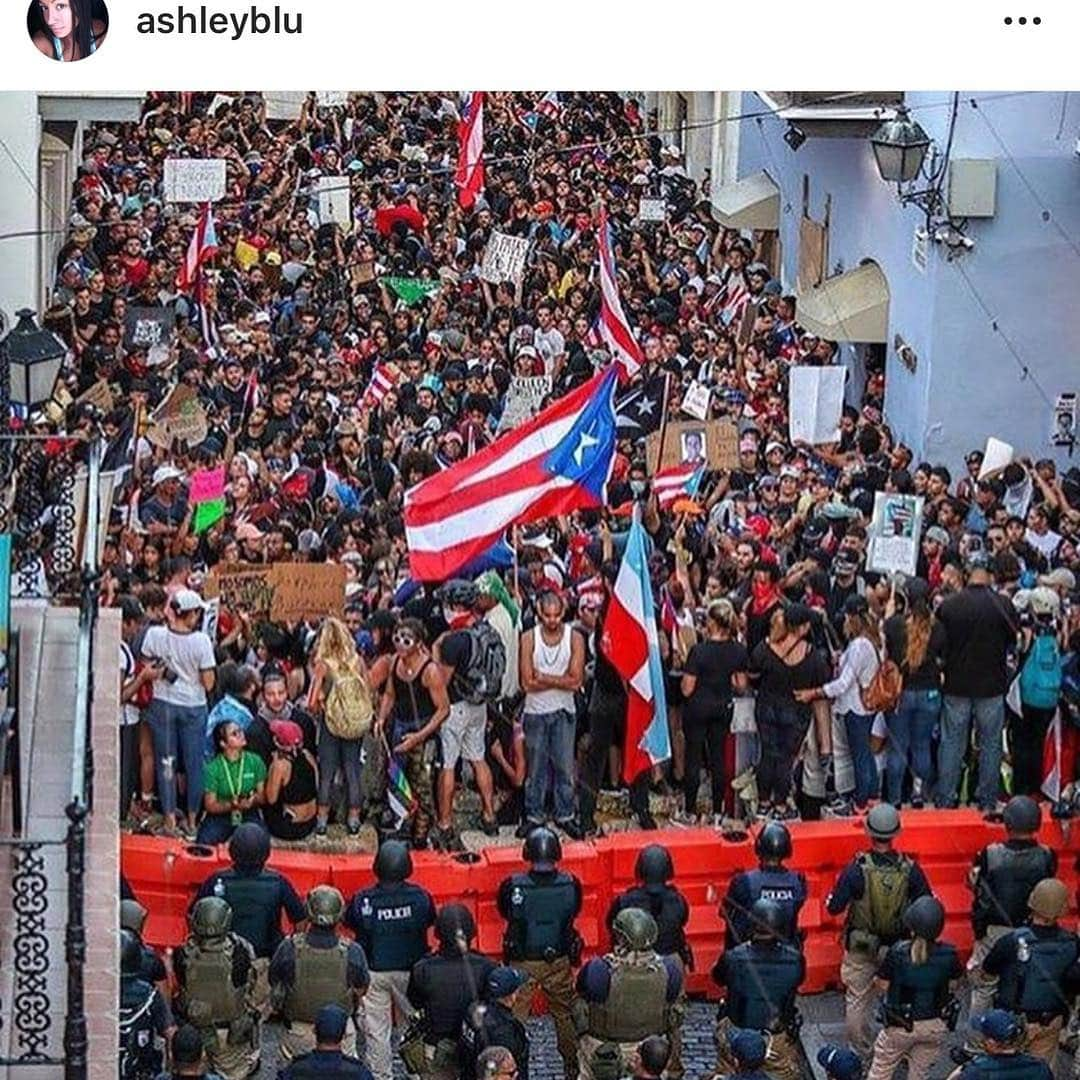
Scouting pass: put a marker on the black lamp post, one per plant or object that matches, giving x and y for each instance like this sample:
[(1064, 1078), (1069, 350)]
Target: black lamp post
[(31, 362), (900, 146)]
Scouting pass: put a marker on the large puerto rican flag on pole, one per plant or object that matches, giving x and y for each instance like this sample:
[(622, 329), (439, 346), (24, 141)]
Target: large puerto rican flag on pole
[(470, 168), (203, 247), (612, 326), (559, 461), (1059, 757), (631, 642)]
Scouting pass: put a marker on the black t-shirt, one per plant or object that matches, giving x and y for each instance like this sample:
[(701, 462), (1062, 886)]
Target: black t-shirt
[(713, 663), (980, 628), (778, 679), (454, 651), (927, 676)]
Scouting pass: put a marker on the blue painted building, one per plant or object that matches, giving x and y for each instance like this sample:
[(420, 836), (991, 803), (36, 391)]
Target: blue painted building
[(1023, 272)]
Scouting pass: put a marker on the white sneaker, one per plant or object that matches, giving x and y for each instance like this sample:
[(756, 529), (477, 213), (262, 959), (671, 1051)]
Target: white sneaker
[(682, 820)]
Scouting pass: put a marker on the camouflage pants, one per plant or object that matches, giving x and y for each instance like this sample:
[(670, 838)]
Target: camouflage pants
[(782, 1058), (299, 1038), (232, 1061), (418, 769), (556, 979)]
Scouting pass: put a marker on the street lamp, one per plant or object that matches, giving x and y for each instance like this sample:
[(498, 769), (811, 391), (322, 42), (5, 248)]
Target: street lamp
[(32, 357), (900, 147)]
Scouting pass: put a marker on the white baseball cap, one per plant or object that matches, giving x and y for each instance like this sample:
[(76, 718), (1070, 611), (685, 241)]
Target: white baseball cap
[(185, 600)]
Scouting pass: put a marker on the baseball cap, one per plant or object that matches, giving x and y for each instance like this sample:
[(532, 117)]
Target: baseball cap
[(747, 1047), (938, 535), (185, 600), (773, 446), (856, 605), (1061, 578), (287, 733), (330, 1022), (503, 981), (165, 472), (839, 1062), (997, 1024)]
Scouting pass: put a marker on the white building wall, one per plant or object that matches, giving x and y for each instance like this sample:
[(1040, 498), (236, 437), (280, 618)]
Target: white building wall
[(20, 129)]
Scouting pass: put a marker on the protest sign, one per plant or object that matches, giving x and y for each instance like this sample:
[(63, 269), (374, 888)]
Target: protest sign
[(652, 210), (523, 399), (179, 416), (815, 401), (207, 485), (194, 180), (695, 401), (242, 588), (331, 99), (284, 104), (895, 532), (713, 443), (145, 327), (504, 258), (99, 395), (1063, 430), (307, 590), (998, 454), (334, 200), (211, 614)]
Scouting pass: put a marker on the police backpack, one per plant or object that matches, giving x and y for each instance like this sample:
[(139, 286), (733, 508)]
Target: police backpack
[(480, 679)]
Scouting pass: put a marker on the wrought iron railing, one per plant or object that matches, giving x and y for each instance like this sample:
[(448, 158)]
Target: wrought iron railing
[(42, 518)]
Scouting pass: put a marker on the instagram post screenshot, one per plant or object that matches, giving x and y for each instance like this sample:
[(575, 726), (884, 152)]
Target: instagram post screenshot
[(524, 556)]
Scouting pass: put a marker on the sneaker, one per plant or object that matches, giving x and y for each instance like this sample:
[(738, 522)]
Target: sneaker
[(526, 827), (571, 828), (841, 807), (682, 820), (320, 828), (353, 827), (489, 828), (917, 802), (646, 821)]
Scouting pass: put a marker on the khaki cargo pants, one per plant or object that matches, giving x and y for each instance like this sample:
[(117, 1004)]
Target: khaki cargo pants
[(857, 971), (556, 979), (233, 1061), (920, 1048)]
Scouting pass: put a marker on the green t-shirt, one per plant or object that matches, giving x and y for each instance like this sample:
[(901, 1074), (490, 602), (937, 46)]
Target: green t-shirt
[(227, 780)]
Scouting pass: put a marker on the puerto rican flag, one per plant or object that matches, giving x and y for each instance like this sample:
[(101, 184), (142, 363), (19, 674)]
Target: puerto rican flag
[(613, 327), (559, 461), (1059, 758), (383, 379), (202, 248), (631, 642), (549, 105), (681, 481), (470, 169), (736, 297)]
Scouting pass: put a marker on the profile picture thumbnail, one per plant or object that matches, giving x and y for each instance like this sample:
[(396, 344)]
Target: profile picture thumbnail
[(67, 30)]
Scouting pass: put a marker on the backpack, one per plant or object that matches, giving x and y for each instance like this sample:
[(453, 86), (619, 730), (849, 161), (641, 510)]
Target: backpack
[(1040, 677), (480, 679), (885, 897), (883, 691), (137, 1053), (348, 710)]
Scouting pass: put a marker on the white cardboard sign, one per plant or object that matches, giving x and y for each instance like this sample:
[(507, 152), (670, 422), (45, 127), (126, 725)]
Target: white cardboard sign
[(652, 210), (815, 401), (504, 258), (695, 401), (194, 180), (335, 200)]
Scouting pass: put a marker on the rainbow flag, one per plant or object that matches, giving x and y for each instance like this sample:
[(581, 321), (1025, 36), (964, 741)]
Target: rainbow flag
[(399, 792)]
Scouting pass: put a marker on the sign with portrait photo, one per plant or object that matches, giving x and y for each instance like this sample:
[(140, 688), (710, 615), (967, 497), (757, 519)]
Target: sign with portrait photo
[(1063, 432), (895, 532), (713, 443)]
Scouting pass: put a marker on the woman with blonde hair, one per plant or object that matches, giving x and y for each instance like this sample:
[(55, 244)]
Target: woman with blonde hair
[(341, 696), (715, 669), (859, 663)]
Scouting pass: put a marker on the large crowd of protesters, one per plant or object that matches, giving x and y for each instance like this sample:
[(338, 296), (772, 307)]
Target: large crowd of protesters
[(773, 627)]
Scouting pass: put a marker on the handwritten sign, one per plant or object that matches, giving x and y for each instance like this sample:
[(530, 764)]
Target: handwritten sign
[(207, 485), (504, 258), (307, 590), (179, 416), (652, 210), (145, 327), (242, 588), (99, 395), (334, 200), (695, 401), (894, 533), (524, 397), (331, 99), (194, 180)]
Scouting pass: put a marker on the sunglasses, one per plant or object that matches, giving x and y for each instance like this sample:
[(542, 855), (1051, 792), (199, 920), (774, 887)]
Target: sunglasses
[(404, 641)]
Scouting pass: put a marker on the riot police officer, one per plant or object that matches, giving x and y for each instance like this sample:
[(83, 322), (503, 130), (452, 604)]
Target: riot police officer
[(444, 987), (215, 973), (839, 1062), (1002, 878), (493, 1023), (761, 978), (1002, 1057), (316, 968), (874, 889), (770, 881), (629, 994), (540, 907), (257, 896), (747, 1049), (1038, 969), (390, 921), (653, 893), (143, 1014), (919, 975), (133, 917)]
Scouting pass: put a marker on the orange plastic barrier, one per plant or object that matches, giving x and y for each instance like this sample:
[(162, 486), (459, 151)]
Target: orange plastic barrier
[(165, 874)]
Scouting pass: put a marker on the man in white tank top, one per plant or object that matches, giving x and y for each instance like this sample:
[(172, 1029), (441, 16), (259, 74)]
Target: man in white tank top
[(552, 667)]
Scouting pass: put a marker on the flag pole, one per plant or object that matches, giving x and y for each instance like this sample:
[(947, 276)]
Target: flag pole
[(663, 422)]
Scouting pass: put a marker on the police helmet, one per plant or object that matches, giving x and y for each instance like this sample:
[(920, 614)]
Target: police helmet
[(773, 842), (767, 919), (654, 865), (130, 953), (635, 930), (458, 593), (653, 1053), (393, 862), (1049, 899), (211, 917), (883, 822), (542, 848), (1022, 815), (325, 905), (454, 920), (132, 916), (925, 918), (249, 845)]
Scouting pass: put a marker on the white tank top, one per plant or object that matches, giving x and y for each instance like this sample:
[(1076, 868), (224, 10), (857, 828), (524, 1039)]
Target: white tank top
[(551, 660)]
